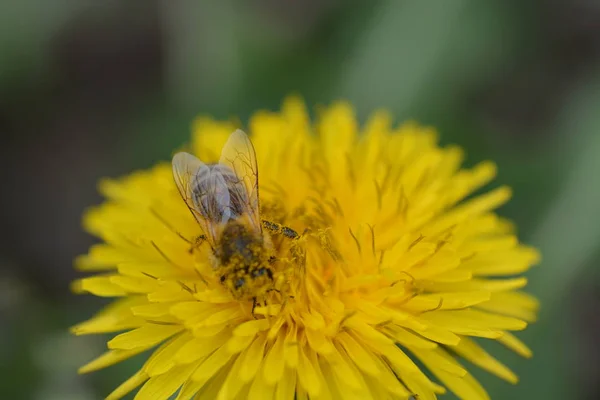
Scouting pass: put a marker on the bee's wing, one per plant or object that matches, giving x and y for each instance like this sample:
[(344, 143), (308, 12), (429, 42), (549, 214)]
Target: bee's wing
[(239, 156), (205, 192)]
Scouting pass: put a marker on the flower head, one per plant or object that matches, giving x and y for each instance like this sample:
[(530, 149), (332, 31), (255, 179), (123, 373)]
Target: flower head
[(393, 264)]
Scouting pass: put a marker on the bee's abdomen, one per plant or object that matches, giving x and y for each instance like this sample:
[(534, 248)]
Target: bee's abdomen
[(238, 245)]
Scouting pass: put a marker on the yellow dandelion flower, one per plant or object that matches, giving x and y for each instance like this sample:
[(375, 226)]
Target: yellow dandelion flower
[(394, 268)]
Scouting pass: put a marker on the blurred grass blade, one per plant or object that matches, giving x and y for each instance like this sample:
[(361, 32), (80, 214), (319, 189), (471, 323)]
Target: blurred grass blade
[(202, 43), (569, 234), (399, 52), (568, 238)]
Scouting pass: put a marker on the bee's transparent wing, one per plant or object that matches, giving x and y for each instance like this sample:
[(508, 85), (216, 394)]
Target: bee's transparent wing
[(204, 190), (239, 156)]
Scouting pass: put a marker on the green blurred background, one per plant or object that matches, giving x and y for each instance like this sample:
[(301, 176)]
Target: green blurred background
[(91, 89)]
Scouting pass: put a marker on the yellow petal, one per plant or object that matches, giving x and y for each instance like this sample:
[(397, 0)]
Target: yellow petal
[(169, 292), (378, 390), (147, 335), (192, 310), (486, 285), (286, 386), (345, 371), (189, 389), (513, 304), (513, 343), (418, 389), (273, 364), (235, 344), (163, 386), (149, 270), (199, 347), (390, 381), (454, 276), (107, 323), (308, 374), (318, 341), (260, 389), (98, 285), (135, 284), (109, 358), (212, 387), (487, 244), (252, 359), (130, 384), (223, 316), (209, 137), (473, 207), (339, 388), (212, 364), (163, 359), (447, 301), (466, 320), (290, 348), (506, 262), (202, 331), (439, 334), (233, 384), (446, 364), (465, 387), (100, 257), (468, 181), (361, 357), (294, 111), (366, 331), (471, 351), (251, 328), (338, 131), (152, 310), (407, 338)]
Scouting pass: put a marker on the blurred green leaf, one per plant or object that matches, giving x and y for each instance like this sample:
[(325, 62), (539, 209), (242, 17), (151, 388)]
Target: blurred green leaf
[(28, 27), (570, 232), (202, 54), (568, 238), (416, 58), (397, 55)]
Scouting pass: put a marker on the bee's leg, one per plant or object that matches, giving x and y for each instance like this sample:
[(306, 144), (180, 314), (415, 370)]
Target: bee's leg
[(272, 259), (274, 227), (197, 243), (278, 291), (253, 307)]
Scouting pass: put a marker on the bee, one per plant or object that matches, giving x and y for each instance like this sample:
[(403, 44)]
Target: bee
[(224, 199)]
